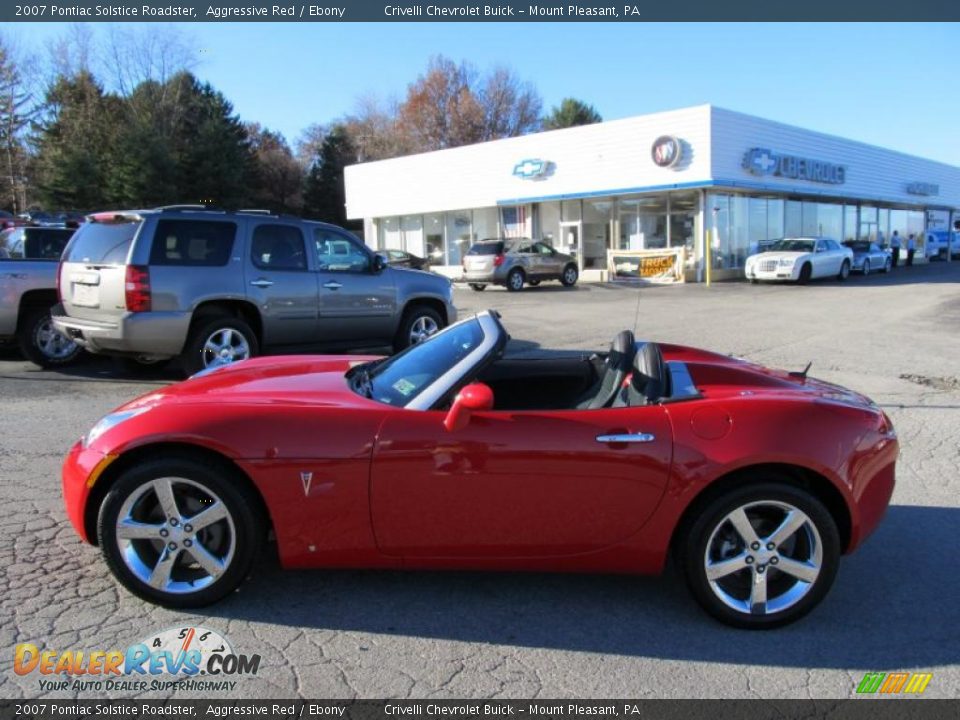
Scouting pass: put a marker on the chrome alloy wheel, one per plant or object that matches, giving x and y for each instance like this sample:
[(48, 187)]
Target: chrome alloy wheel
[(763, 557), (175, 535), (53, 345), (224, 346), (422, 328), (570, 275)]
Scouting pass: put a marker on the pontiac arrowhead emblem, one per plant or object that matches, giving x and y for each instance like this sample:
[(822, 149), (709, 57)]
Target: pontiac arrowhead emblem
[(306, 478)]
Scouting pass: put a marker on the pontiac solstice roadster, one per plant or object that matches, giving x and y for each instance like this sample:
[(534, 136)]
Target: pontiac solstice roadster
[(450, 455)]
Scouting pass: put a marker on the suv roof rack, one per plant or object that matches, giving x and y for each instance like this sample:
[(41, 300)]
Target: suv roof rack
[(255, 211)]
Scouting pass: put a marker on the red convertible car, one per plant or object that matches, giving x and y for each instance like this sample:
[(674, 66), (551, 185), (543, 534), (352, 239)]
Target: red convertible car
[(450, 455)]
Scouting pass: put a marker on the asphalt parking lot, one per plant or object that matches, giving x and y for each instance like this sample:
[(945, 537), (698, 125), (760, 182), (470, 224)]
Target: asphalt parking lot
[(374, 634)]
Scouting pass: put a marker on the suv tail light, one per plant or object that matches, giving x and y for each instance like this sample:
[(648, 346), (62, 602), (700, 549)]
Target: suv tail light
[(138, 288), (498, 260)]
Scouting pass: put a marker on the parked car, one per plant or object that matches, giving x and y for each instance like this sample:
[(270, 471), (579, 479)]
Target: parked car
[(515, 262), (800, 260), (935, 246), (212, 287), (28, 289), (449, 455), (401, 258), (869, 256)]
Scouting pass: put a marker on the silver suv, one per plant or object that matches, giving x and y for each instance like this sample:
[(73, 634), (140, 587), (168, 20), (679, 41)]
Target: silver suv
[(513, 262), (213, 287)]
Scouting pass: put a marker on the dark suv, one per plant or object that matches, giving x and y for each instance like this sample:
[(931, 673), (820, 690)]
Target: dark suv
[(213, 287)]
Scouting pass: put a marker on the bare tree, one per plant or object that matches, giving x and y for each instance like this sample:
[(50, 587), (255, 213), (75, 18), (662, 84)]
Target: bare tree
[(375, 130), (511, 107), (17, 109), (72, 53), (155, 53)]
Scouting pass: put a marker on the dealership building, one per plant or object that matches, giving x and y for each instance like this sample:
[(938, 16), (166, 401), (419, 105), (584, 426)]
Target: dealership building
[(707, 184)]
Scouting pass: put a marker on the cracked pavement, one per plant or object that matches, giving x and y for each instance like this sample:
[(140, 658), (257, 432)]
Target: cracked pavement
[(346, 634)]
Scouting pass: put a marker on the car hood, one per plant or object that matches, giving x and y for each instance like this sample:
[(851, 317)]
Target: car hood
[(296, 379), (778, 255)]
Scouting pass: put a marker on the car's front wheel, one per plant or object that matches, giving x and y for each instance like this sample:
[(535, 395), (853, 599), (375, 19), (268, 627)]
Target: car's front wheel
[(515, 280), (761, 556), (806, 272), (844, 270), (42, 343), (866, 268), (887, 264), (569, 276), (179, 532)]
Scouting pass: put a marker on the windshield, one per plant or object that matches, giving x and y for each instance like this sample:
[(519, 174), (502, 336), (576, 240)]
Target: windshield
[(399, 380), (787, 245), (99, 242)]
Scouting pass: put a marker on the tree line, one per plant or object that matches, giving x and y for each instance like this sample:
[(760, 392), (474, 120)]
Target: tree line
[(140, 129)]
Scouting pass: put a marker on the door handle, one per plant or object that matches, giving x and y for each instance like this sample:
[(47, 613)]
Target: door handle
[(261, 283), (333, 285), (626, 438)]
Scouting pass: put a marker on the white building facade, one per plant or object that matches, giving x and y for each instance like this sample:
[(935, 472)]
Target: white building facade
[(713, 182)]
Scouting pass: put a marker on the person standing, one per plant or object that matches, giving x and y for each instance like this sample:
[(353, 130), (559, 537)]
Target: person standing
[(895, 248), (911, 249)]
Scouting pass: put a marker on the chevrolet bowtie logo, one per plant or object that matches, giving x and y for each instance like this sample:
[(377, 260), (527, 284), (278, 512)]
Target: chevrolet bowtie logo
[(527, 169), (760, 161)]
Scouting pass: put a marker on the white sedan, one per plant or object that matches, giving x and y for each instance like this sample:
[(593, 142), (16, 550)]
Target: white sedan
[(800, 260)]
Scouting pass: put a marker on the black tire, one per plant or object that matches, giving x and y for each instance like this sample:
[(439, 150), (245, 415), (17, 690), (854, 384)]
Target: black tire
[(887, 265), (515, 280), (708, 526), (208, 478), (194, 358), (479, 287), (844, 271), (569, 276), (866, 267), (41, 344), (754, 281), (805, 272), (420, 321), (533, 283)]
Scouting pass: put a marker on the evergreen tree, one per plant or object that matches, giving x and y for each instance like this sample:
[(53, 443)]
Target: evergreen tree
[(324, 194), (571, 113)]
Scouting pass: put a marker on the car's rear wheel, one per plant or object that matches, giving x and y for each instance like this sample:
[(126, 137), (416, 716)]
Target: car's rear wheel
[(569, 276), (419, 323), (220, 340), (42, 344), (866, 268), (844, 270), (479, 287), (761, 556), (515, 280), (180, 532), (805, 273)]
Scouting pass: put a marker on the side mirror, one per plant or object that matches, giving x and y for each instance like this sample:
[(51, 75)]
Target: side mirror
[(472, 398), (379, 263)]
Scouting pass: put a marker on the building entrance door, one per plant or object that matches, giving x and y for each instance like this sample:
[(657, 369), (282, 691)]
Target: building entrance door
[(570, 240)]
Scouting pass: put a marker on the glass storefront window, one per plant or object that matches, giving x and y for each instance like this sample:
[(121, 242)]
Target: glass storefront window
[(597, 216), (792, 224), (411, 227), (548, 223), (830, 221), (433, 234), (570, 210), (849, 222), (868, 223), (459, 235), (883, 226), (775, 209), (486, 223), (390, 238)]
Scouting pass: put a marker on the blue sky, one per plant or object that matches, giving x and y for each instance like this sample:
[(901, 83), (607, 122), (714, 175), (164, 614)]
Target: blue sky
[(894, 85)]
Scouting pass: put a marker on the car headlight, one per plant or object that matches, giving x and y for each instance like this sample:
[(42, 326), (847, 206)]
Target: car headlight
[(787, 262), (111, 421)]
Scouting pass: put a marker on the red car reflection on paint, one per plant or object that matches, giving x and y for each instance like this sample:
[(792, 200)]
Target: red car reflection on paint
[(450, 455)]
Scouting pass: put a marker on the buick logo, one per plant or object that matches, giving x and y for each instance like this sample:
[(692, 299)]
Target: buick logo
[(666, 151)]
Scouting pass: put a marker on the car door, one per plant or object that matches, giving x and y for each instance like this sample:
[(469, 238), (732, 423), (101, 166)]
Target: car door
[(355, 301), (517, 484), (548, 258), (281, 284), (822, 259)]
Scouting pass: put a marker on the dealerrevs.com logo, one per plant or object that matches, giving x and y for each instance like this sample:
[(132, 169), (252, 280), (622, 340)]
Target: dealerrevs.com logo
[(173, 659)]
